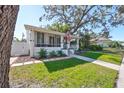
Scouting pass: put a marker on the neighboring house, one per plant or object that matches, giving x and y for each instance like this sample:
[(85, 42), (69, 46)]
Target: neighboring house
[(122, 43), (102, 41), (40, 38)]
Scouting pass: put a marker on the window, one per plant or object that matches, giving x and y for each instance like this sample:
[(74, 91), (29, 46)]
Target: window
[(58, 41), (51, 41), (54, 41), (40, 39)]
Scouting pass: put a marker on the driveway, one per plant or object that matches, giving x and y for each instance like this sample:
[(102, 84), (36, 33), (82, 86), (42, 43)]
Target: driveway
[(21, 59), (12, 60), (25, 60)]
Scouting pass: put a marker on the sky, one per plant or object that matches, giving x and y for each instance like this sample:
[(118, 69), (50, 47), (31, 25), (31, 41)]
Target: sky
[(30, 15)]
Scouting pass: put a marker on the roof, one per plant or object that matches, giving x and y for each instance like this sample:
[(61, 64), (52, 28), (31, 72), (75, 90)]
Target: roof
[(39, 29), (100, 39)]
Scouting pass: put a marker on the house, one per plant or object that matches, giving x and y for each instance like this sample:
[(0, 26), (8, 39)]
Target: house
[(122, 43), (102, 41), (40, 38)]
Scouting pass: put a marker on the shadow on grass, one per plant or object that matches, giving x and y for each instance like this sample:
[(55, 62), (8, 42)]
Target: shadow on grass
[(63, 64)]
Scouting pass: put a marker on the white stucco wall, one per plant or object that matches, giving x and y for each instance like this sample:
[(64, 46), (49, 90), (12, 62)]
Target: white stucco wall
[(122, 44), (19, 48), (49, 49), (68, 52), (32, 41)]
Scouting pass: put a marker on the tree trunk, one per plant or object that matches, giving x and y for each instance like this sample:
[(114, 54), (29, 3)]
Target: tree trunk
[(8, 17)]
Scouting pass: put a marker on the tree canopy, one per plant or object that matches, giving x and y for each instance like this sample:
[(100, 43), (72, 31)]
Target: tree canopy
[(85, 17), (59, 27)]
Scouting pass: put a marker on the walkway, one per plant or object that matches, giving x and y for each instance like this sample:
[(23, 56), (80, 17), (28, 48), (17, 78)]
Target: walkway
[(120, 81), (34, 61), (98, 62), (12, 59)]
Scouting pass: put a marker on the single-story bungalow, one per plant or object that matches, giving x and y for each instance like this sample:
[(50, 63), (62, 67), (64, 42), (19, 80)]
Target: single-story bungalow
[(102, 41), (122, 43), (40, 38)]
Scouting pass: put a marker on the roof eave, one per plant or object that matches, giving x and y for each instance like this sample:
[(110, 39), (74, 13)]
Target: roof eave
[(38, 29)]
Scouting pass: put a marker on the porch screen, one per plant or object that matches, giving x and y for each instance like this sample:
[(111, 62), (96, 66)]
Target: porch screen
[(54, 41), (40, 39)]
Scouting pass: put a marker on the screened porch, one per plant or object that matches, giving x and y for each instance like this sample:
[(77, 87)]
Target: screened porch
[(47, 40)]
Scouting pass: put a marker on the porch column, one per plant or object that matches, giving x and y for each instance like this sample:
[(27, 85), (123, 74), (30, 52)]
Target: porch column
[(77, 45), (31, 44), (62, 43), (68, 44)]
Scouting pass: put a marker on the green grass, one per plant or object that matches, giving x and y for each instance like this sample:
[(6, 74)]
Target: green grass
[(73, 73), (114, 50), (112, 58)]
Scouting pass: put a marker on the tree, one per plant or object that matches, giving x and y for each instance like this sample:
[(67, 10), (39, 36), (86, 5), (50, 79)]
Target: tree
[(82, 17), (16, 39), (85, 40), (58, 27), (8, 16), (23, 39), (115, 44)]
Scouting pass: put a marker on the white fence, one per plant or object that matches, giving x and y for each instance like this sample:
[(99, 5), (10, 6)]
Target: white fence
[(19, 48)]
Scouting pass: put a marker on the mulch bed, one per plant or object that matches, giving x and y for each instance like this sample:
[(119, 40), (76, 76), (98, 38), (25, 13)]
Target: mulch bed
[(22, 59)]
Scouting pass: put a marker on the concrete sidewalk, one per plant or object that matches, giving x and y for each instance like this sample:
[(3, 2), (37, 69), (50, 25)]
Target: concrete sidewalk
[(12, 59), (37, 61), (120, 81), (98, 62)]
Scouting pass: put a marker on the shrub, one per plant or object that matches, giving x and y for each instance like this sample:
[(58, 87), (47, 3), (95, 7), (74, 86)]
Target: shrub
[(95, 47), (60, 53), (100, 48), (52, 54), (42, 53), (79, 49)]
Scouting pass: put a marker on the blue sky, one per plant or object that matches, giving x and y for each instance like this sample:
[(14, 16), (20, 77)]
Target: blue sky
[(30, 15)]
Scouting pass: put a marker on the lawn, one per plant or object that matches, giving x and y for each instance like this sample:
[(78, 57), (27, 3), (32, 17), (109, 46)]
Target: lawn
[(69, 73), (108, 57), (114, 50)]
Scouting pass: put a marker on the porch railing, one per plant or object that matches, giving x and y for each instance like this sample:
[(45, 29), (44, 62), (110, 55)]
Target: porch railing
[(47, 45)]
